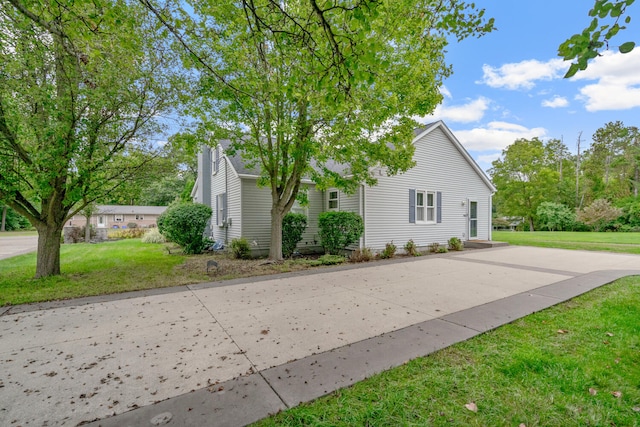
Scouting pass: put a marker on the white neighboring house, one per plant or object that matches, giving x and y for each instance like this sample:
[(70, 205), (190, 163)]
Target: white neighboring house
[(445, 195)]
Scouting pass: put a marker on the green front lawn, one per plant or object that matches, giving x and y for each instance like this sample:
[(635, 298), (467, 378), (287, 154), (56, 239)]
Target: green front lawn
[(612, 242), (94, 269), (576, 364)]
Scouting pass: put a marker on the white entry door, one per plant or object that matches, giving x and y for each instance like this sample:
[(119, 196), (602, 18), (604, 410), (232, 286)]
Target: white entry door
[(101, 223), (473, 220)]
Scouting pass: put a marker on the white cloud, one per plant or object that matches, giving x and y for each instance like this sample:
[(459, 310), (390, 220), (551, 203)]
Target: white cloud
[(445, 92), (487, 159), (472, 111), (555, 102), (524, 74), (618, 82), (496, 136)]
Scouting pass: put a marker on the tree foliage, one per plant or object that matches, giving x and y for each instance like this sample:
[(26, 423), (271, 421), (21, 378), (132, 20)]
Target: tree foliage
[(555, 216), (607, 20), (599, 213), (80, 87), (523, 179), (333, 84)]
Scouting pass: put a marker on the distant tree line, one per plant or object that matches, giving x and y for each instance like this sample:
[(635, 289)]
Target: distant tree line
[(551, 188)]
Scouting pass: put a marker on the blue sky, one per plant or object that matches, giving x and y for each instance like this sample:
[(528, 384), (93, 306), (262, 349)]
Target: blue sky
[(509, 84)]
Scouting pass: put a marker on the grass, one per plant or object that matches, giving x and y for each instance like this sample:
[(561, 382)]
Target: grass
[(94, 269), (612, 242), (558, 367)]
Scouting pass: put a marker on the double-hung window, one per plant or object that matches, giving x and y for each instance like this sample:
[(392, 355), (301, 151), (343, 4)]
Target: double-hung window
[(333, 200), (221, 209), (425, 206)]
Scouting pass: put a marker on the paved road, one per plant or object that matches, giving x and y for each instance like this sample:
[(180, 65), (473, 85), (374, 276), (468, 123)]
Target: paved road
[(16, 245), (197, 349)]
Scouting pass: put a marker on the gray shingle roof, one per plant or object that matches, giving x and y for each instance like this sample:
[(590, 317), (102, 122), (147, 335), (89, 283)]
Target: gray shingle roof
[(129, 209)]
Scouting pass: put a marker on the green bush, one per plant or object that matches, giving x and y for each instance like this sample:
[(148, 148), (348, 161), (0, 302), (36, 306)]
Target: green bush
[(456, 244), (389, 251), (153, 236), (329, 259), (293, 225), (240, 248), (184, 224), (339, 230), (411, 248), (434, 247)]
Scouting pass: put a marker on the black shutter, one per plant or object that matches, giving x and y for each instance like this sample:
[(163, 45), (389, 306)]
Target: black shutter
[(439, 207), (412, 206)]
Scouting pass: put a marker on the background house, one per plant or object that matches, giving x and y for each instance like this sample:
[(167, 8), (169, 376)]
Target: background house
[(119, 216), (445, 195)]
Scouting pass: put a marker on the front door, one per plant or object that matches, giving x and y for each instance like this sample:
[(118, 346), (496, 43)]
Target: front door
[(101, 223), (473, 220)]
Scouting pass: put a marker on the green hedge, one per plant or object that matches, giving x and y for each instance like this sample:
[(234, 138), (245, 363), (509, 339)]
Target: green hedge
[(184, 224), (293, 225), (339, 230)]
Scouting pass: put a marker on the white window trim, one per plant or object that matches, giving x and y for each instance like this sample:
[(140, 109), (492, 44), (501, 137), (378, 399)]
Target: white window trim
[(221, 210), (118, 217), (337, 199), (139, 217), (426, 207)]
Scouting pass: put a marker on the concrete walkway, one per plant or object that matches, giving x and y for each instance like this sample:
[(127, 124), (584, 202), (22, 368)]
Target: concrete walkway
[(230, 353)]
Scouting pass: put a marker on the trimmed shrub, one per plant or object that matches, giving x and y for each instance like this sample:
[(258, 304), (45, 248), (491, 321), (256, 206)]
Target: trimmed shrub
[(184, 224), (132, 225), (361, 255), (293, 225), (240, 248), (456, 244), (153, 236), (339, 230), (389, 251), (411, 248)]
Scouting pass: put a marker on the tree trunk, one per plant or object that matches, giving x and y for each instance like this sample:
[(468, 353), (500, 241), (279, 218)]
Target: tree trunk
[(4, 219), (48, 258), (531, 224), (87, 229), (275, 247)]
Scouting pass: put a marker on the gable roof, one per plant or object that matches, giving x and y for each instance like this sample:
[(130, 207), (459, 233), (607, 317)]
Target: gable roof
[(420, 133), (241, 169)]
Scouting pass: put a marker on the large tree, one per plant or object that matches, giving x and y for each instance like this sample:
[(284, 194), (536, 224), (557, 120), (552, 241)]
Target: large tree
[(524, 179), (300, 86), (79, 90)]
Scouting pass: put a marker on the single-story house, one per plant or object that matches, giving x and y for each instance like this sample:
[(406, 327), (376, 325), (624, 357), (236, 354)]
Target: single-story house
[(444, 195), (120, 216)]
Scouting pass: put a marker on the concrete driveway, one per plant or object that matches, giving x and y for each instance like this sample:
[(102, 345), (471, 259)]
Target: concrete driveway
[(229, 353), (17, 245)]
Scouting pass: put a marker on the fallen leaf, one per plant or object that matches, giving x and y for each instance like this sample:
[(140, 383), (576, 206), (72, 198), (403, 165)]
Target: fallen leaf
[(617, 360), (562, 331), (609, 334), (264, 331), (616, 394), (522, 425), (471, 406), (593, 391), (636, 408)]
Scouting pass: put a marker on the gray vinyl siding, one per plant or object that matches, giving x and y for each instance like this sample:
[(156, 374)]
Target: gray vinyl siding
[(440, 167), (349, 202), (256, 217), (225, 180)]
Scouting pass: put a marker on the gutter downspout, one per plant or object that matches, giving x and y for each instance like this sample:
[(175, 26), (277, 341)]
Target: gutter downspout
[(226, 196), (364, 216)]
